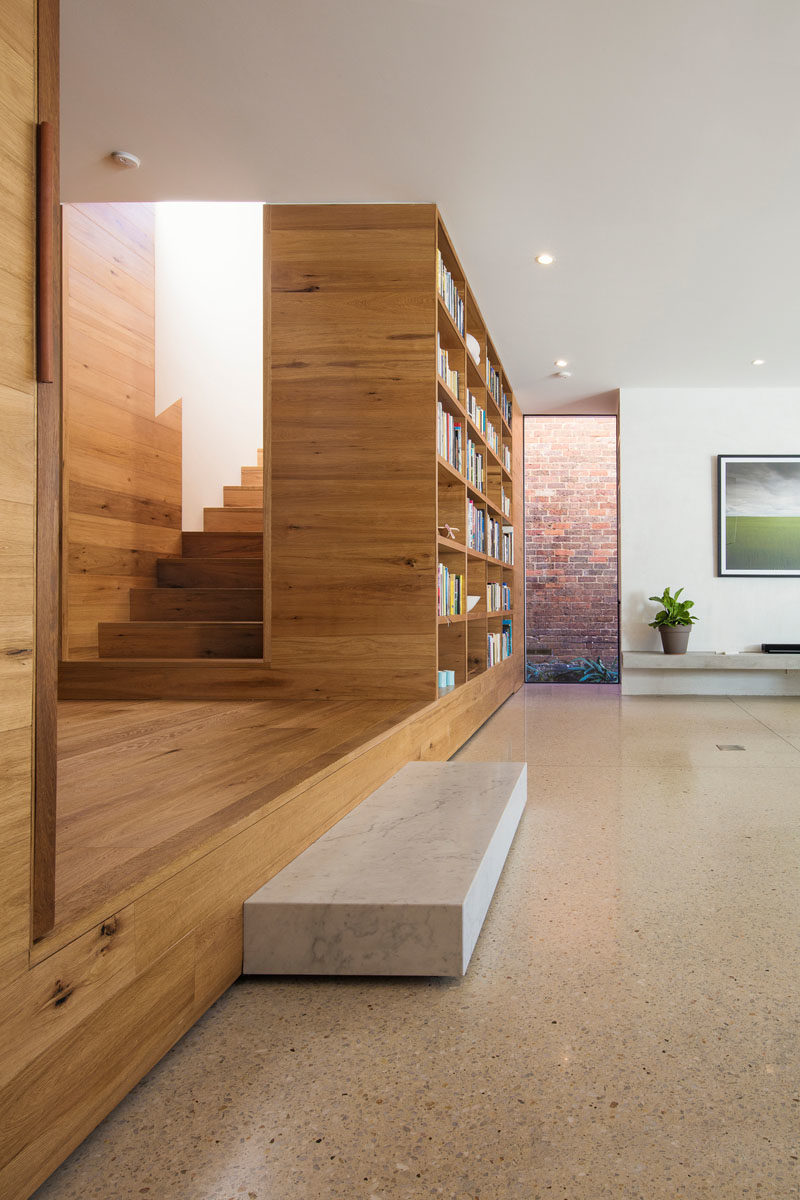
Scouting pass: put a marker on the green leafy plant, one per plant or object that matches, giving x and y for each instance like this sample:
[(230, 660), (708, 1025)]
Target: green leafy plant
[(674, 610), (594, 670)]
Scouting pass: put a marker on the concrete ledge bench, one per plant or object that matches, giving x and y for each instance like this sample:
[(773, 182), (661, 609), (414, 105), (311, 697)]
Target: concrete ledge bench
[(400, 886), (698, 672)]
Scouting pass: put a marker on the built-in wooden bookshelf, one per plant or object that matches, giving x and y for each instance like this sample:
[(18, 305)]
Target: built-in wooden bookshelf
[(476, 485), (356, 484)]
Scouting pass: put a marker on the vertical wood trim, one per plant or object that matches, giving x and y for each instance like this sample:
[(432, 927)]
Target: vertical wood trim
[(45, 191), (266, 440), (48, 453)]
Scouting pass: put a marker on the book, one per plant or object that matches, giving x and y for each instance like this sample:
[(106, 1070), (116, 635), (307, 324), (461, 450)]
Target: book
[(449, 293)]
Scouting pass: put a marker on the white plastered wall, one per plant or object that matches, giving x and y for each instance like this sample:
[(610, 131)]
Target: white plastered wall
[(669, 442), (209, 305)]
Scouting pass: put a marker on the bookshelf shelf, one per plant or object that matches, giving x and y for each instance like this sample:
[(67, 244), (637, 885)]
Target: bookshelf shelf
[(448, 469), (450, 544), (475, 378), (450, 399), (448, 327), (470, 642)]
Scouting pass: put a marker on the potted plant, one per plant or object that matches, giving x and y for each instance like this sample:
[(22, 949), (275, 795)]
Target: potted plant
[(674, 622)]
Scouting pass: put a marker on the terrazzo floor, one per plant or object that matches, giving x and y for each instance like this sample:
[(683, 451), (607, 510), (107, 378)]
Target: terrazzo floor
[(628, 1027)]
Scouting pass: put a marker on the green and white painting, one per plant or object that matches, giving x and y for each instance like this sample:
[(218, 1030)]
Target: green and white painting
[(759, 508)]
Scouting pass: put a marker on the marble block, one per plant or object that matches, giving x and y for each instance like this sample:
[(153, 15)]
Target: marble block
[(400, 886)]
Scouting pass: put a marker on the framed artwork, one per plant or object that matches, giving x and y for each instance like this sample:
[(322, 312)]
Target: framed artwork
[(759, 514)]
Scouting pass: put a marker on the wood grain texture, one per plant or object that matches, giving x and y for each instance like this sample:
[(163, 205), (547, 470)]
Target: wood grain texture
[(48, 500), (122, 464), (180, 639), (146, 787), (17, 476), (89, 1069), (353, 324), (60, 992), (349, 491), (196, 604)]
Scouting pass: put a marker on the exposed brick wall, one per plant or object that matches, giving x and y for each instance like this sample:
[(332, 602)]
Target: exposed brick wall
[(571, 538)]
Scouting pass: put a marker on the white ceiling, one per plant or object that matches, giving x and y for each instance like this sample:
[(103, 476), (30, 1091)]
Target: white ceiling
[(653, 148)]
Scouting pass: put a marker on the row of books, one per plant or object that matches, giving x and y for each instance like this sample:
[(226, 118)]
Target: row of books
[(449, 293), (493, 540), (499, 645), (475, 466), (498, 597), (508, 545), (450, 593), (507, 458), (492, 438), (476, 414), (505, 408), (494, 383), (449, 437), (476, 527), (505, 502), (443, 367)]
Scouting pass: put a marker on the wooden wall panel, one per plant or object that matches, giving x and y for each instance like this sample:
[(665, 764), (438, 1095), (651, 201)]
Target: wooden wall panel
[(122, 464), (17, 475), (48, 497), (75, 1082), (353, 324)]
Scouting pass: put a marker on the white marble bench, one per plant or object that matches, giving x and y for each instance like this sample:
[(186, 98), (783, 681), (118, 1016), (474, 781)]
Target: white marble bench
[(400, 886)]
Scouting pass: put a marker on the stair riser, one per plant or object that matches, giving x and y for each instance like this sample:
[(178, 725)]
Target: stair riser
[(223, 545), (252, 477), (233, 520), (210, 573), (172, 639), (197, 604), (243, 497)]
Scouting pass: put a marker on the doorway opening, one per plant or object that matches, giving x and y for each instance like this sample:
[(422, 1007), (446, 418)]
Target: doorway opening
[(571, 556), (163, 378)]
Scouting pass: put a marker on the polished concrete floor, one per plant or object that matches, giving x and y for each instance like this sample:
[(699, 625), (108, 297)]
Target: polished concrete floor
[(628, 1027)]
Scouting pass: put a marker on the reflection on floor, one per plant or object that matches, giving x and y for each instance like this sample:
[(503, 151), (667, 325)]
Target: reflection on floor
[(628, 1027)]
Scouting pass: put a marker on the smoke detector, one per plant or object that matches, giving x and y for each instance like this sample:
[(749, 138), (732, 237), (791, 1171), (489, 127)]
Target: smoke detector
[(124, 158)]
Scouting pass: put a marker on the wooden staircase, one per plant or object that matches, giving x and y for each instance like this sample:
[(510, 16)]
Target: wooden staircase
[(208, 603)]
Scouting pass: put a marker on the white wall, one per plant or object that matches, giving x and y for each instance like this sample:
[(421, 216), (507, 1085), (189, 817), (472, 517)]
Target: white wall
[(209, 304), (669, 442)]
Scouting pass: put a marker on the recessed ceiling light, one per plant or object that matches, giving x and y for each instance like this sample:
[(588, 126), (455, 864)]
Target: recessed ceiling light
[(560, 362), (564, 374), (757, 362), (544, 260)]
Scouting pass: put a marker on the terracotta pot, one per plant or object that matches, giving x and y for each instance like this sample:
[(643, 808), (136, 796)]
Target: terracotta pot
[(675, 638)]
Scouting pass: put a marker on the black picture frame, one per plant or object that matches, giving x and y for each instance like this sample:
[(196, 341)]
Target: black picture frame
[(758, 505)]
